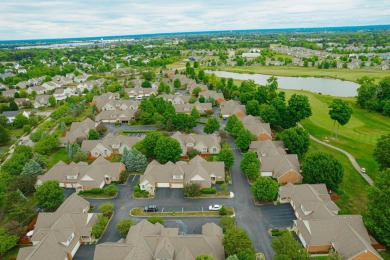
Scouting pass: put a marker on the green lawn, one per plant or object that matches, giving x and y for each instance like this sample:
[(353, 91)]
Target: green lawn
[(355, 187), (358, 137), (116, 158), (59, 155), (292, 71)]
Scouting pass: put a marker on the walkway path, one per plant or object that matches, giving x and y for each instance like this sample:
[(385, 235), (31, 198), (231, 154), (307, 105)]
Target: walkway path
[(350, 157)]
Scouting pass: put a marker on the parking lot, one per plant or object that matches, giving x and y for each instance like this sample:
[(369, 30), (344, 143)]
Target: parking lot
[(137, 134)]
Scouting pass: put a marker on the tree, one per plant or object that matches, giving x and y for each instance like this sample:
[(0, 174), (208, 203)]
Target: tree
[(227, 222), (382, 152), (94, 109), (46, 145), (253, 108), (146, 84), (299, 107), (150, 141), (377, 217), (297, 140), (20, 120), (49, 195), (244, 139), (204, 257), (32, 167), (110, 190), (236, 240), (231, 123), (265, 189), (106, 208), (52, 101), (341, 112), (196, 91), (321, 167), (63, 127), (14, 228), (286, 247), (24, 183), (191, 189), (177, 83), (124, 225), (27, 129), (167, 149), (156, 219), (13, 106), (5, 136), (101, 129), (194, 113), (211, 126), (93, 134), (226, 155), (134, 160), (7, 241)]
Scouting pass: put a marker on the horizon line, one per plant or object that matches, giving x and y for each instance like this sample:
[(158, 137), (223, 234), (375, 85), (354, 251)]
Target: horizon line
[(192, 32)]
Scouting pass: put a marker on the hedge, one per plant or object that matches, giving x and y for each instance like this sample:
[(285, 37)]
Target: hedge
[(208, 190)]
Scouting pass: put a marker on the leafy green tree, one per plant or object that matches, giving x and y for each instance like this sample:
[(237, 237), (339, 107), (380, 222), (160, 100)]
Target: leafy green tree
[(191, 189), (14, 228), (49, 195), (226, 155), (232, 257), (13, 106), (20, 120), (106, 208), (94, 109), (194, 113), (184, 122), (299, 107), (156, 219), (14, 165), (5, 136), (341, 112), (321, 167), (7, 241), (252, 170), (211, 126), (150, 141), (24, 183), (382, 152), (177, 83), (286, 247), (227, 222), (32, 167), (52, 101), (27, 129), (253, 108), (265, 189), (110, 190), (146, 84), (196, 91), (248, 158), (231, 123), (377, 217), (244, 139), (93, 134), (297, 140), (46, 145), (39, 158), (124, 225), (79, 156), (236, 240), (101, 128)]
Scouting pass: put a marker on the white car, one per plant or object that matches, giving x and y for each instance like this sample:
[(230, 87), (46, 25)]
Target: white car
[(215, 207), (363, 170)]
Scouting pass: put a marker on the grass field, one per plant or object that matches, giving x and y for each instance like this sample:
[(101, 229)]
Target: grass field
[(355, 187), (59, 155), (358, 137), (344, 74)]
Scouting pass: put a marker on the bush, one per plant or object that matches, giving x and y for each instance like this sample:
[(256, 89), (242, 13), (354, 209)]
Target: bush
[(106, 208), (27, 129), (223, 211), (156, 219), (191, 189), (220, 182), (98, 228), (124, 225), (277, 232), (92, 191), (110, 190), (208, 190), (224, 187)]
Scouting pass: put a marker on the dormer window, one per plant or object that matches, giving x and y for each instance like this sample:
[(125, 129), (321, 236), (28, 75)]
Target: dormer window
[(177, 177)]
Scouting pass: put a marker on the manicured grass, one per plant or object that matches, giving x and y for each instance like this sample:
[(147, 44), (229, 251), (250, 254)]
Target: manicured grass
[(354, 201), (59, 155), (358, 137), (385, 254), (18, 132), (293, 71), (116, 158), (97, 196)]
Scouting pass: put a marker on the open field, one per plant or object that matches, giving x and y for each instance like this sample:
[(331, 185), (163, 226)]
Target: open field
[(59, 155), (358, 137), (344, 74), (354, 201)]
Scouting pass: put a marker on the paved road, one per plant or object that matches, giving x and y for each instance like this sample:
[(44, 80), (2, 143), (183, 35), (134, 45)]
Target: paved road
[(351, 158)]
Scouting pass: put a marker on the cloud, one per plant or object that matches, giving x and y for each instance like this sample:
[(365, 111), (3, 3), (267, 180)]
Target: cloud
[(26, 19)]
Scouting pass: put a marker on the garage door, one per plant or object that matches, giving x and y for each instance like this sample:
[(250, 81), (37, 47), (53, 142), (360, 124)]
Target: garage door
[(163, 185), (177, 185), (68, 185)]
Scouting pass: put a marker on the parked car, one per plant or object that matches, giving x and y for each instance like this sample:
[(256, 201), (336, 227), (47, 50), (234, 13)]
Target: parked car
[(215, 207), (363, 170), (151, 208)]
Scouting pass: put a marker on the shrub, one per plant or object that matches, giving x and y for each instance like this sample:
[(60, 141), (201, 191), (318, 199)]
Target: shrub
[(106, 208), (223, 211), (220, 182), (98, 228), (156, 219), (92, 191), (208, 190), (110, 190), (124, 225)]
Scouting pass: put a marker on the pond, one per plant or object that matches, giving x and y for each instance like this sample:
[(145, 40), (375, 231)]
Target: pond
[(333, 87)]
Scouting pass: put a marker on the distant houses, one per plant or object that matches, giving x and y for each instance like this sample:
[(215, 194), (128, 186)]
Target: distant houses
[(77, 130)]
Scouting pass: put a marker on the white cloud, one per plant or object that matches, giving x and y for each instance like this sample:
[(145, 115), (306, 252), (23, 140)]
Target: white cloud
[(27, 19)]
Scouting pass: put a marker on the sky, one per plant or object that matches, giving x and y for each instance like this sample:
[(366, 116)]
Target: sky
[(44, 19)]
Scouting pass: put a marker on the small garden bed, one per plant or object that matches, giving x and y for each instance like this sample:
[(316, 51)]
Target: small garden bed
[(277, 232), (108, 192), (140, 194)]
